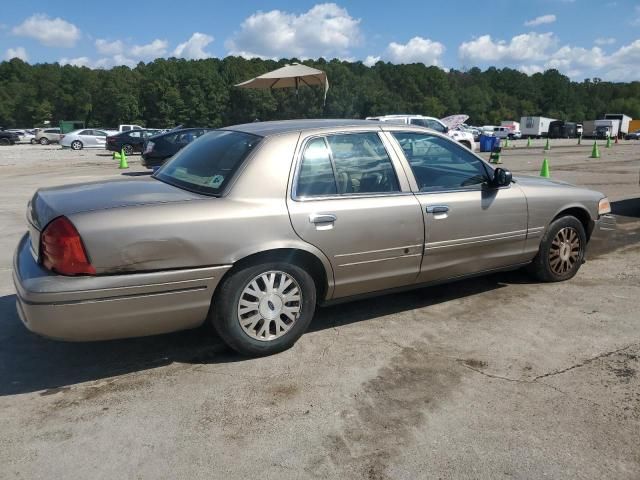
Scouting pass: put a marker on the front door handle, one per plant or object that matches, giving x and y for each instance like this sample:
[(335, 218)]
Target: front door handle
[(322, 218), (435, 209)]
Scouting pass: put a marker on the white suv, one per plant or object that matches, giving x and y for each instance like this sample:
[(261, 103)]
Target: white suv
[(465, 138)]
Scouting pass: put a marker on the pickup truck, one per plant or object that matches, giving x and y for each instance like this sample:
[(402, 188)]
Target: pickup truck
[(8, 138)]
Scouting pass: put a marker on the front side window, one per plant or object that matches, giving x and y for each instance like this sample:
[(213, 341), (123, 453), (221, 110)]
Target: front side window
[(441, 164), (206, 165)]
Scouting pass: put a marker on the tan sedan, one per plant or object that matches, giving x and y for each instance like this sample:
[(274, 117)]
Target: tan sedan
[(250, 227)]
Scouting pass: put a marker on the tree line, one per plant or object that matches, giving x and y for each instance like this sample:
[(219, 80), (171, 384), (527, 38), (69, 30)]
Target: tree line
[(169, 92)]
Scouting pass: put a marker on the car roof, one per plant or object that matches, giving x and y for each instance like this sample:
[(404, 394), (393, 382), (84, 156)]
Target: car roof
[(277, 127)]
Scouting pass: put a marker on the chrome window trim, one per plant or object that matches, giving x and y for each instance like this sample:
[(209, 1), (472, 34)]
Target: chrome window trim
[(298, 164)]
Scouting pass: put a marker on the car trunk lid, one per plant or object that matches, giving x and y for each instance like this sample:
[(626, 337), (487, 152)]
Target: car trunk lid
[(50, 203)]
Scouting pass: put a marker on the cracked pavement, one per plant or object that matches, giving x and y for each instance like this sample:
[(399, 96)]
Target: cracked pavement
[(493, 377)]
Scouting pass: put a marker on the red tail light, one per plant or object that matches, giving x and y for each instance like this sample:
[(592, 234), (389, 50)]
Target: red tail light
[(62, 249), (61, 137)]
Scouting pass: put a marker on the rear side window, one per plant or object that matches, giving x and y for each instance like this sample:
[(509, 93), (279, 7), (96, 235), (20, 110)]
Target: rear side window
[(206, 165), (316, 176), (362, 164), (346, 164)]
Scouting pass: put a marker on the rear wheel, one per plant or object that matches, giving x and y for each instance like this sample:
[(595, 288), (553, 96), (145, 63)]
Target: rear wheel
[(128, 149), (264, 308), (44, 141), (561, 251), (4, 141), (33, 141), (76, 145)]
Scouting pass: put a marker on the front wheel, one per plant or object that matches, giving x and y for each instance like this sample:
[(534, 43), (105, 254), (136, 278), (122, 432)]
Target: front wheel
[(76, 145), (128, 149), (561, 252), (263, 309), (33, 141)]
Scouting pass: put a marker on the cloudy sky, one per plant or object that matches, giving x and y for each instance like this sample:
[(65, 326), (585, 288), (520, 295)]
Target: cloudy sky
[(581, 38)]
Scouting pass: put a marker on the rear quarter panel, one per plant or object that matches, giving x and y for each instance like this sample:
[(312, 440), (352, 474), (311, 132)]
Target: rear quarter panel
[(251, 217)]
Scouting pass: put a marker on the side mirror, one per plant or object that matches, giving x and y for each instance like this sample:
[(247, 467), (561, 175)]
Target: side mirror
[(501, 178)]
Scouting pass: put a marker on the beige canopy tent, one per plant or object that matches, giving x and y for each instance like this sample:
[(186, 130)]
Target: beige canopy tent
[(290, 76)]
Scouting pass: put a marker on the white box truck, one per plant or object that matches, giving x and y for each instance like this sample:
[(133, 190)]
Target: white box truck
[(624, 122), (535, 127), (607, 128)]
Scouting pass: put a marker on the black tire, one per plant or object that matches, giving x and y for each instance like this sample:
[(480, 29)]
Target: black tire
[(128, 149), (545, 265), (33, 141), (224, 312), (44, 141), (76, 145), (5, 141)]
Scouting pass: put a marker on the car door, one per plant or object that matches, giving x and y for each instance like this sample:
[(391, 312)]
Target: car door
[(87, 139), (99, 138), (469, 226), (352, 200)]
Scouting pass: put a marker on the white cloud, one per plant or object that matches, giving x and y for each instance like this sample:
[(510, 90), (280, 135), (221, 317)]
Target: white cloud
[(371, 60), (18, 52), (541, 20), (150, 51), (78, 61), (325, 30), (194, 48), (52, 32), (416, 50), (531, 69), (604, 41), (527, 46), (109, 48)]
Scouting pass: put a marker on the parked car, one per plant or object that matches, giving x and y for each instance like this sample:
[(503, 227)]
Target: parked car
[(633, 135), (131, 141), (126, 128), (8, 137), (45, 136), (24, 135), (250, 227), (465, 138), (161, 147), (506, 132), (85, 138)]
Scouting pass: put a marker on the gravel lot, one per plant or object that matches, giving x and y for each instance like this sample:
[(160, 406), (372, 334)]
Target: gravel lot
[(493, 377)]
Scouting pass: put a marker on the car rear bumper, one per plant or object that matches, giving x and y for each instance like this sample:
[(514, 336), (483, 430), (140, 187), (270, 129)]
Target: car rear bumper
[(603, 231), (111, 306)]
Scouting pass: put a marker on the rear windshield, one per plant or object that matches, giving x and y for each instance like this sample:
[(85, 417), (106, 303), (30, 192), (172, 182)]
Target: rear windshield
[(207, 164)]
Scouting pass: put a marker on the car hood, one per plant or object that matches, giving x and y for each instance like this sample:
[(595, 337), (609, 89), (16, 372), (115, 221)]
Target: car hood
[(49, 203), (533, 181)]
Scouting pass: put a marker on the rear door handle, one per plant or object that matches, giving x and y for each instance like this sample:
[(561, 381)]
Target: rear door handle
[(437, 209), (322, 218)]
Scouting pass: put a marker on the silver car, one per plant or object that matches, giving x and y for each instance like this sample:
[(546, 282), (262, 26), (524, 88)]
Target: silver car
[(84, 138), (250, 227)]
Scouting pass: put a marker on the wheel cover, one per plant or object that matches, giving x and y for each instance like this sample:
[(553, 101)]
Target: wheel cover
[(76, 145), (269, 305), (128, 149), (565, 250)]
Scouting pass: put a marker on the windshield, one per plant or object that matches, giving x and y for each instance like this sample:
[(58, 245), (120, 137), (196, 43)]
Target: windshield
[(207, 164)]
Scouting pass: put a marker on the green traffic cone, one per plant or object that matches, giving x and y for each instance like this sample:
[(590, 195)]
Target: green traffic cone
[(116, 155), (506, 142), (547, 147), (123, 160), (528, 142), (608, 142), (580, 140), (544, 171), (595, 152)]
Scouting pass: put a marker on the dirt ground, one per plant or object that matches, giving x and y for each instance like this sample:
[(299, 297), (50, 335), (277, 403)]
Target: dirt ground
[(494, 377)]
